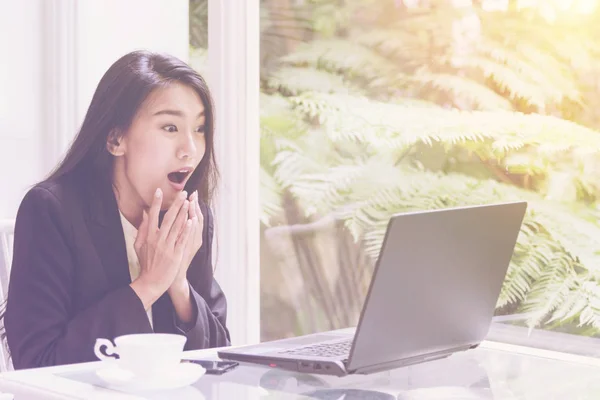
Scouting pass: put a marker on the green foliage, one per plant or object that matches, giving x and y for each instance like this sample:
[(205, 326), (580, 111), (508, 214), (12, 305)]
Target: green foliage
[(476, 96), (293, 81), (367, 194), (381, 112), (270, 199), (341, 57), (198, 22), (361, 162)]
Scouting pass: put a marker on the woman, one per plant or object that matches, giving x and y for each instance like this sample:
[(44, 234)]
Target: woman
[(117, 240)]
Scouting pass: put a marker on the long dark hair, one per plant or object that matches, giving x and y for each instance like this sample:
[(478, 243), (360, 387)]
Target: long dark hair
[(119, 95)]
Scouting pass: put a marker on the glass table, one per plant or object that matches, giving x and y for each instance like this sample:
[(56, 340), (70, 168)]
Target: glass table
[(492, 371)]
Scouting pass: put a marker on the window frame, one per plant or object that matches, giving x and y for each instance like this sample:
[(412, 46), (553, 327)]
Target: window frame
[(233, 58), (60, 60)]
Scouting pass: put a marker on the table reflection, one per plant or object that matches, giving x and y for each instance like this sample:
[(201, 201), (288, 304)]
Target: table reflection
[(473, 375)]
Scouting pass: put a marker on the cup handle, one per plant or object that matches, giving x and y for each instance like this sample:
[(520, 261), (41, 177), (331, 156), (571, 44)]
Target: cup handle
[(110, 352)]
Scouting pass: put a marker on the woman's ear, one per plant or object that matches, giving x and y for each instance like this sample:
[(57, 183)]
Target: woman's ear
[(114, 144)]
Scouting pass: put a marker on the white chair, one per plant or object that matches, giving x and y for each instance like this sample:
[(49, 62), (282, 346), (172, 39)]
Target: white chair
[(7, 229)]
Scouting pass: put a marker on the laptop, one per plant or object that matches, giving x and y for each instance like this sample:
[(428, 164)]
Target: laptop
[(433, 293)]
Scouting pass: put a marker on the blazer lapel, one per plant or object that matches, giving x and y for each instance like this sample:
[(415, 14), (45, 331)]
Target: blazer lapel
[(107, 233)]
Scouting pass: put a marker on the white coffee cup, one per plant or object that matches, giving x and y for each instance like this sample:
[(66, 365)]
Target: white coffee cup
[(143, 354)]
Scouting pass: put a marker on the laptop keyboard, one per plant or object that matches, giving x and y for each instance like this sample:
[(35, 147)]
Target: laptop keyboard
[(332, 349)]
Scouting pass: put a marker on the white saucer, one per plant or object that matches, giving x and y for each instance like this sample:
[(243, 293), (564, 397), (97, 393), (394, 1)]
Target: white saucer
[(447, 393), (183, 375)]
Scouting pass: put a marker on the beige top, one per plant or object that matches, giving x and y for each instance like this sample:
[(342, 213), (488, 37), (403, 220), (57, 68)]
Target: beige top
[(134, 265)]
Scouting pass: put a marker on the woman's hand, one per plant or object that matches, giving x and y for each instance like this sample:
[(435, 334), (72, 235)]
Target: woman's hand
[(194, 243), (160, 251)]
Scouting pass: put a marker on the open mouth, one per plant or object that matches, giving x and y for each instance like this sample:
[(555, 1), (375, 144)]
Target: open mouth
[(179, 176)]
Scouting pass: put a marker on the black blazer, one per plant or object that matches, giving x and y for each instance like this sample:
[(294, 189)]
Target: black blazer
[(69, 282)]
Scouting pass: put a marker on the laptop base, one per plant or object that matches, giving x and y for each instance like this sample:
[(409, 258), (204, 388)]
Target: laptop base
[(333, 367), (321, 367)]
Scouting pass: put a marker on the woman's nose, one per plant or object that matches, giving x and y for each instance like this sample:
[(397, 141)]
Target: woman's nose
[(187, 148)]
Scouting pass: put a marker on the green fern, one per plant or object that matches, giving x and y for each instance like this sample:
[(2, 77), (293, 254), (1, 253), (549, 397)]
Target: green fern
[(554, 79), (529, 256), (372, 117), (198, 23), (409, 47), (270, 198), (384, 125), (365, 189), (292, 81), (477, 96), (550, 290), (509, 80), (341, 56), (542, 275)]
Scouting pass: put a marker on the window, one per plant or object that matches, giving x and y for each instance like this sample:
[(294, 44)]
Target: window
[(369, 108), (198, 26)]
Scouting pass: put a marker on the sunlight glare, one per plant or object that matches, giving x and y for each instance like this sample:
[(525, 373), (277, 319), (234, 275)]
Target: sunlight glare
[(494, 5), (560, 6), (586, 6)]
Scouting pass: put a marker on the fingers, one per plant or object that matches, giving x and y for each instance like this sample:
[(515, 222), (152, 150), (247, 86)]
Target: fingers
[(200, 217), (193, 201), (152, 217), (189, 244), (171, 215), (198, 223), (179, 224), (183, 238), (195, 206)]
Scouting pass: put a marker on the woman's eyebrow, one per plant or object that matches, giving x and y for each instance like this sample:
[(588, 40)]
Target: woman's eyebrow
[(175, 113)]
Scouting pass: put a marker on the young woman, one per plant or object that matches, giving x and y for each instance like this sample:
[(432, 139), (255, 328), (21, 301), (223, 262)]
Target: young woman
[(117, 240)]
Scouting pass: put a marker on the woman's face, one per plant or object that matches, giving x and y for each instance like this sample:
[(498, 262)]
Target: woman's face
[(161, 148)]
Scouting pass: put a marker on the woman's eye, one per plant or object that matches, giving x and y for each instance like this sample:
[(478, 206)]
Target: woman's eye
[(170, 128), (200, 129)]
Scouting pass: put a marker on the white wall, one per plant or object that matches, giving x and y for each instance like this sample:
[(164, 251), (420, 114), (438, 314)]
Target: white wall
[(34, 82), (108, 29), (21, 101)]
